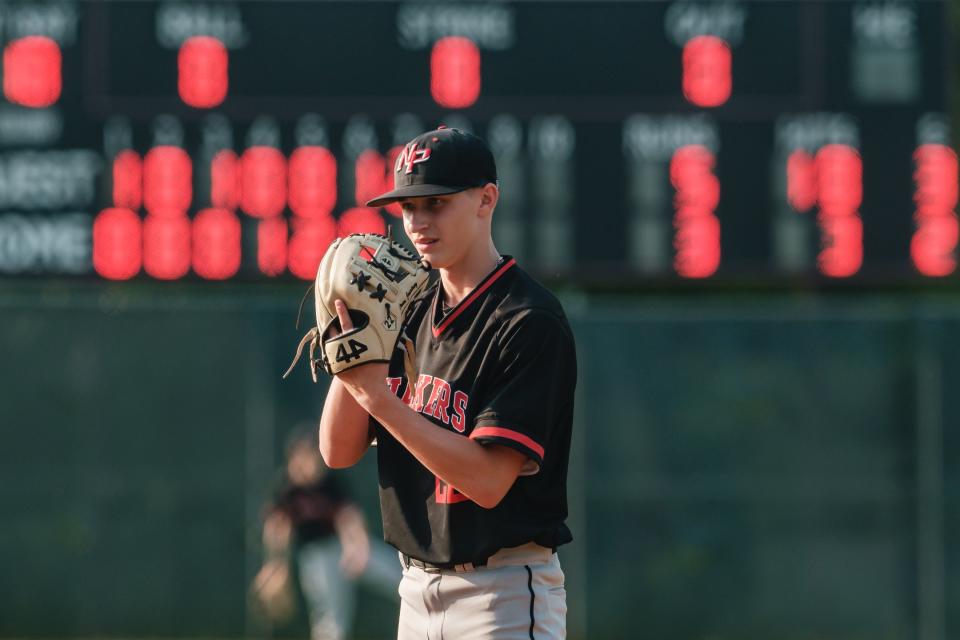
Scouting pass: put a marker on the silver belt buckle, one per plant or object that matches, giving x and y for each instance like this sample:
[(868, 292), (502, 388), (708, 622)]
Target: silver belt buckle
[(423, 566)]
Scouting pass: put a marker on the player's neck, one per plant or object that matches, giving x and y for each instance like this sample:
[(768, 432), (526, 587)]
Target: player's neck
[(460, 279)]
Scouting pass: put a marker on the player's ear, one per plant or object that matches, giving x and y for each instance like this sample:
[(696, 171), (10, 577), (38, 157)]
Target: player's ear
[(489, 194)]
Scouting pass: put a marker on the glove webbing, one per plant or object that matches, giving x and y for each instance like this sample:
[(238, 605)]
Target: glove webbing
[(313, 338)]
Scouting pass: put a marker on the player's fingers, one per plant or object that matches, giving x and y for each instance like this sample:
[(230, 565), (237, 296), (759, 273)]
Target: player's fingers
[(346, 324)]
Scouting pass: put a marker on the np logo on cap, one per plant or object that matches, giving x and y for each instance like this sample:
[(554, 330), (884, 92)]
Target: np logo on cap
[(440, 162), (411, 155)]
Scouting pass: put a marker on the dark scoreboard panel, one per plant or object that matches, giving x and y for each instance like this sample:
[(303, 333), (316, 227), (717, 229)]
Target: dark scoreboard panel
[(647, 141)]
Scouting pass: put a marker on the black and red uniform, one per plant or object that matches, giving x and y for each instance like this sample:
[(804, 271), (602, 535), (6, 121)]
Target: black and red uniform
[(499, 368)]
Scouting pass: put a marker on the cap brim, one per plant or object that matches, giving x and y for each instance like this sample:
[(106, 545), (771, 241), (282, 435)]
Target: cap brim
[(413, 191)]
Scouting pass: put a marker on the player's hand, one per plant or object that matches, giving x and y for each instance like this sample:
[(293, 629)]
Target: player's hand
[(354, 541), (367, 379), (346, 324), (273, 589), (366, 382), (277, 530), (354, 558)]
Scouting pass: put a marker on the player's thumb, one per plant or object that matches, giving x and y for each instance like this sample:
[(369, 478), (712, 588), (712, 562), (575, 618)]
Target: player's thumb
[(346, 324)]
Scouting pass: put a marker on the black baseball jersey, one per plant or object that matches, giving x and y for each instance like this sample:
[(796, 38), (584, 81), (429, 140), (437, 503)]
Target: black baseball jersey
[(499, 367)]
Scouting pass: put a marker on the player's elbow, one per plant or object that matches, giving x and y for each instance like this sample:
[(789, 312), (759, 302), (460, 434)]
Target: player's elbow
[(489, 502), (342, 444), (338, 459), (334, 462), (503, 469), (490, 496), (338, 453)]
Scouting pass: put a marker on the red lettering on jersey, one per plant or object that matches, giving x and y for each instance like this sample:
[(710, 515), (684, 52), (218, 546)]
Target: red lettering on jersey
[(422, 383), (408, 395), (439, 401), (459, 418), (394, 385)]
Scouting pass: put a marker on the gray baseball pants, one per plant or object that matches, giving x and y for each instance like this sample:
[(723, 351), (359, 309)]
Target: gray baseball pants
[(519, 595)]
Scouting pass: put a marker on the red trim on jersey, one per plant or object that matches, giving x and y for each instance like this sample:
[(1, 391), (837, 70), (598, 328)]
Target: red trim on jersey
[(509, 434), (466, 302)]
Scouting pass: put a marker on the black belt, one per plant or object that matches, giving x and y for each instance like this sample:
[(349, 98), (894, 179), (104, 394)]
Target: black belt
[(429, 567)]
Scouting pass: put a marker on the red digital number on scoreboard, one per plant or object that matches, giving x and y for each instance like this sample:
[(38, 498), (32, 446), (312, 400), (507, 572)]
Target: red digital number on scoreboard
[(697, 239), (117, 244), (225, 180), (455, 72), (312, 182), (707, 71), (263, 182), (167, 181), (801, 180), (370, 173), (272, 246), (934, 243), (839, 193), (216, 244), (308, 243), (166, 247), (202, 78), (128, 180), (360, 220), (833, 179), (32, 75)]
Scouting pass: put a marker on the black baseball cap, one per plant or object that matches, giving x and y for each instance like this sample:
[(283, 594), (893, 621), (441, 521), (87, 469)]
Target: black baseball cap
[(439, 162)]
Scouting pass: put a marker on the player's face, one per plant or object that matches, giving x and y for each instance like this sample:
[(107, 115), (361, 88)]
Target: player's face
[(304, 466), (444, 229)]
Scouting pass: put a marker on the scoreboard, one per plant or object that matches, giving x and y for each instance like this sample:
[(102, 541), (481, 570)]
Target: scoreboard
[(651, 141)]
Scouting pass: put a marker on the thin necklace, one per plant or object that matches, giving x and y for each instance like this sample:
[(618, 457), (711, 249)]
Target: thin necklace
[(446, 308)]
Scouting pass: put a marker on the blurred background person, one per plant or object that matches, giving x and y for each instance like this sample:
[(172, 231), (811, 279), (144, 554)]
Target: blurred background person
[(313, 521)]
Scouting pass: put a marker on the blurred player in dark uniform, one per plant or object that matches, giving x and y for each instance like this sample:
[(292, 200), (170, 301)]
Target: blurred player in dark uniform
[(473, 431), (312, 514)]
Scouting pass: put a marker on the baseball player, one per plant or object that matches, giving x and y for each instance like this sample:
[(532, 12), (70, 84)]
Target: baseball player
[(473, 424), (313, 521), (312, 513)]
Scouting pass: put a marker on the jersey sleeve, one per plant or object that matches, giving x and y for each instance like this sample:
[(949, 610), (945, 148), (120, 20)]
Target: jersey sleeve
[(531, 387)]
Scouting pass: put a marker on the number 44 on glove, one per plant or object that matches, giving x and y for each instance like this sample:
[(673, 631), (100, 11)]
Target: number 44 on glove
[(377, 279)]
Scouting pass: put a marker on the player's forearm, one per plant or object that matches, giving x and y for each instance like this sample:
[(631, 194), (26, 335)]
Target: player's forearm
[(350, 526), (344, 428), (483, 474)]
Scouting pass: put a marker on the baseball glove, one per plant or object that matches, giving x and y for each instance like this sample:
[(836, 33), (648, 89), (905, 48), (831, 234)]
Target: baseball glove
[(272, 591), (376, 279)]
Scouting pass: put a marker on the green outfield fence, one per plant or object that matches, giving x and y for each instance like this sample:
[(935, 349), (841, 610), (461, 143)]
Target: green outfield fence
[(762, 467)]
